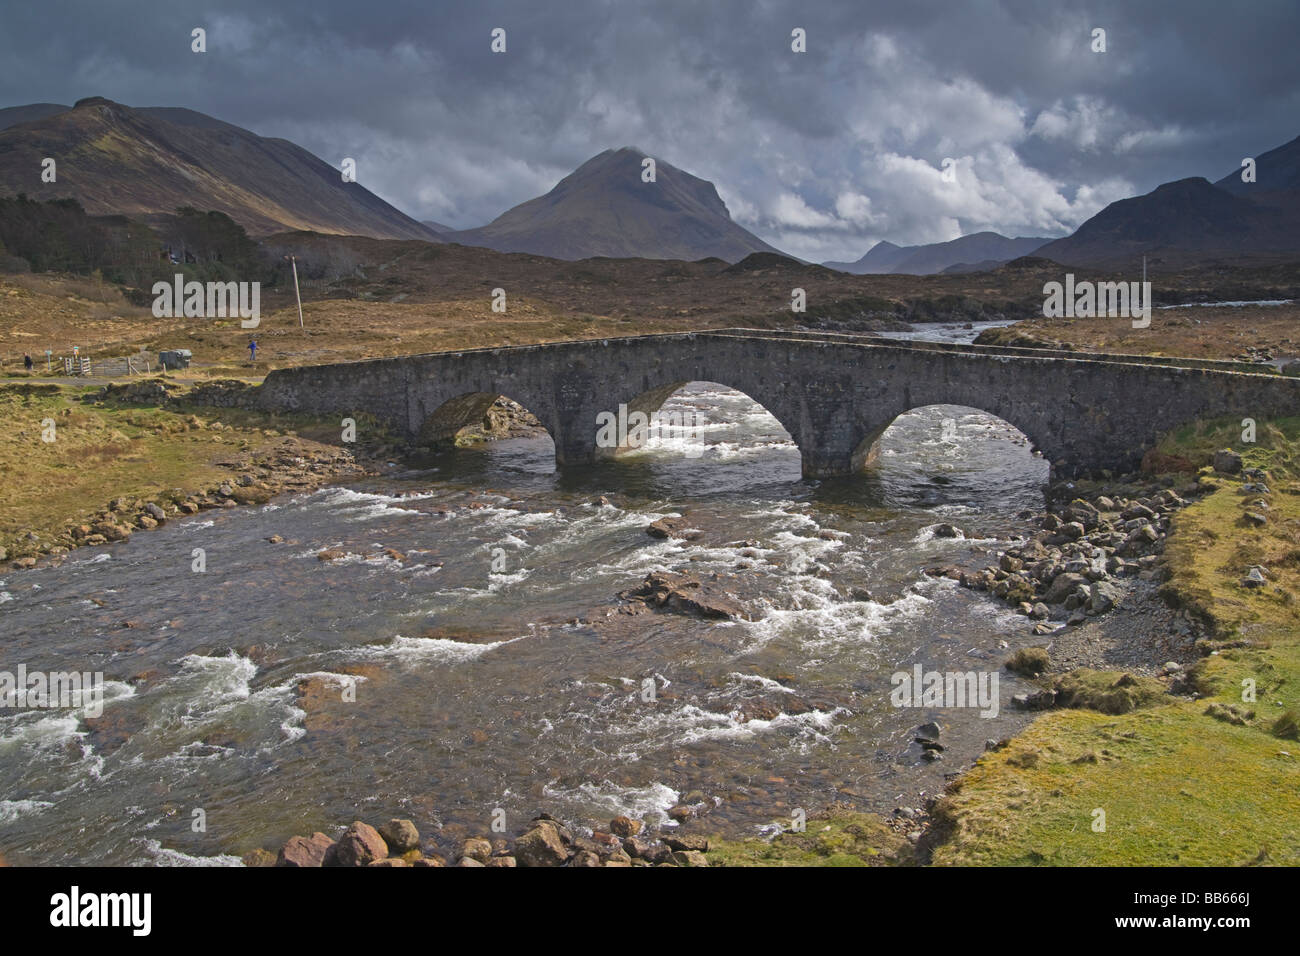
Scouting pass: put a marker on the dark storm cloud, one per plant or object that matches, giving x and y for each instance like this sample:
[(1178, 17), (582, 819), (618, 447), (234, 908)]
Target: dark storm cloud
[(821, 153)]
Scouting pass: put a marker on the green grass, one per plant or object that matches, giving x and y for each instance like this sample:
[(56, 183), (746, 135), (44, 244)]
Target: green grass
[(845, 839), (1182, 782), (1177, 788), (101, 452)]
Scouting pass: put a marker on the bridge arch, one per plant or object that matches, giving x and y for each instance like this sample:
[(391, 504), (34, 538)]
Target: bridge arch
[(449, 419), (651, 401), (866, 452)]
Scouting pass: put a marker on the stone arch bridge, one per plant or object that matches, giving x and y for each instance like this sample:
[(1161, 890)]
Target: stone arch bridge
[(835, 394)]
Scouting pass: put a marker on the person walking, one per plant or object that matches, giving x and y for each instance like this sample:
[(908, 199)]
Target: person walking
[(27, 362), (252, 350)]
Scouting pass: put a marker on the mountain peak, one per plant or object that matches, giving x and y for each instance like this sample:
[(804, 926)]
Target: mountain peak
[(606, 208), (94, 101), (1277, 170), (144, 163), (972, 251)]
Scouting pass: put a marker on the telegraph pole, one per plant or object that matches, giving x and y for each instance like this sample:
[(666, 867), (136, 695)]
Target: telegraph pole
[(293, 261)]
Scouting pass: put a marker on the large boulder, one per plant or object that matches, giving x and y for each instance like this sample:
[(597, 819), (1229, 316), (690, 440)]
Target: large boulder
[(400, 835), (1227, 461), (1063, 585), (476, 848), (541, 846), (689, 594), (668, 528), (304, 851), (1103, 596), (360, 845)]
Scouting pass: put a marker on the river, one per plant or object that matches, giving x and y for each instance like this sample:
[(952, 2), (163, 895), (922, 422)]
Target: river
[(486, 673)]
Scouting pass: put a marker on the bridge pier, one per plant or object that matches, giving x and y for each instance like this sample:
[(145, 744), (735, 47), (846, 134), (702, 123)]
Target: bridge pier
[(573, 452), (821, 463)]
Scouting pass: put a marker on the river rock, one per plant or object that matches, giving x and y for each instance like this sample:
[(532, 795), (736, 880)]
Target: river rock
[(541, 846), (689, 858), (1138, 510), (928, 731), (644, 850), (477, 848), (689, 594), (111, 531), (1138, 539), (1036, 700), (624, 826), (1072, 530), (360, 845), (400, 835), (668, 528), (258, 857), (305, 851), (1083, 513), (1062, 586), (1103, 596), (686, 842)]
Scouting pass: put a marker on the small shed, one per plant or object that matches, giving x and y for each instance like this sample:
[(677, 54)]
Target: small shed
[(175, 358)]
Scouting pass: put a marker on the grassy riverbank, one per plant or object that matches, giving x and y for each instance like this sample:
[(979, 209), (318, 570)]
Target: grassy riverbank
[(1208, 781), (103, 451)]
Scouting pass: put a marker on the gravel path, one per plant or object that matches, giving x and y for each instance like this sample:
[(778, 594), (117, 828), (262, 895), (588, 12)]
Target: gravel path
[(1141, 634)]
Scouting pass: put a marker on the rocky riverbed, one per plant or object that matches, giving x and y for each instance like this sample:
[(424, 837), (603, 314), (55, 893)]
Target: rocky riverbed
[(544, 842)]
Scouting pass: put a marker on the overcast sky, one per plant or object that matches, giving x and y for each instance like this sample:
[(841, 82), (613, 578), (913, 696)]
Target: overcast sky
[(820, 153)]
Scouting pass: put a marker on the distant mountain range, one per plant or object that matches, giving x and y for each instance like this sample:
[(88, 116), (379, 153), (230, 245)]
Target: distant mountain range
[(603, 208), (145, 163), (1192, 220), (966, 254)]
